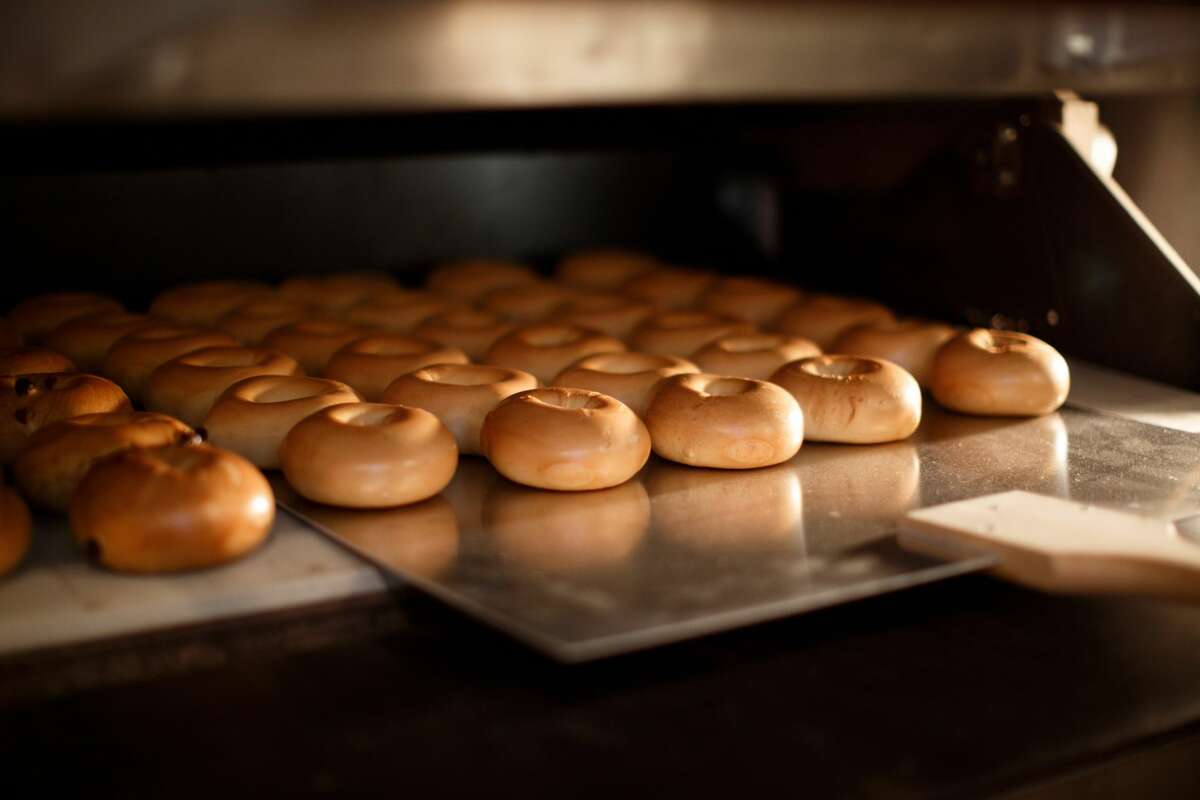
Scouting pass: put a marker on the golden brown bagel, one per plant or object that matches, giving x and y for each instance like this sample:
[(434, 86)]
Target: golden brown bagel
[(460, 395), (30, 402), (603, 270), (370, 364), (852, 399), (187, 386), (369, 455), (133, 357), (399, 310), (251, 321), (37, 316), (171, 508), (202, 304), (85, 340), (910, 343), (526, 302), (999, 373), (468, 329), (28, 360), (681, 333), (336, 292), (614, 314), (253, 415), (544, 350), (565, 439), (471, 279), (752, 355), (54, 460), (629, 377), (16, 527), (752, 300), (312, 342), (670, 289), (823, 317), (730, 423), (561, 532)]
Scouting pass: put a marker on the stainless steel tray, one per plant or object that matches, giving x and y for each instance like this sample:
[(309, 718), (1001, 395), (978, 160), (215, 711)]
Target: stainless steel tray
[(678, 552)]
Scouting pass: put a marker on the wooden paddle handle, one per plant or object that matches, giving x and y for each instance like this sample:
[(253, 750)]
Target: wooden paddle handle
[(1064, 546)]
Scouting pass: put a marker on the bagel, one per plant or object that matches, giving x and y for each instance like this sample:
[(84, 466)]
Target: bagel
[(370, 364), (671, 288), (564, 439), (399, 310), (28, 360), (54, 460), (171, 508), (253, 415), (731, 423), (629, 377), (910, 343), (526, 302), (16, 529), (546, 349), (603, 270), (468, 329), (250, 322), (852, 399), (202, 304), (336, 292), (36, 316), (823, 318), (752, 300), (187, 386), (30, 402), (471, 279), (9, 337), (752, 355), (85, 340), (999, 373), (614, 314), (460, 395), (312, 342), (133, 357), (681, 333), (369, 455)]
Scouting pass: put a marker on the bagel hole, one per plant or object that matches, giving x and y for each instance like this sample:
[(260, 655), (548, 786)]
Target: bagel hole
[(839, 366), (552, 336), (390, 346), (464, 374), (291, 390), (561, 398), (685, 319), (728, 387), (749, 344), (1001, 341), (365, 415), (467, 318), (225, 357), (626, 363)]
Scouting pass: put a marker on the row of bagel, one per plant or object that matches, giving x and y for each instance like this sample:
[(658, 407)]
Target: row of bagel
[(581, 377)]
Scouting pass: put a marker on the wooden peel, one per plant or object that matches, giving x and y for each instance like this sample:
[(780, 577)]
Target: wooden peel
[(1063, 546)]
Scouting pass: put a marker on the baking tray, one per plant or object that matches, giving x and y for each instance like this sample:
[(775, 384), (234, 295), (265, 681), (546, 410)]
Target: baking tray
[(678, 552)]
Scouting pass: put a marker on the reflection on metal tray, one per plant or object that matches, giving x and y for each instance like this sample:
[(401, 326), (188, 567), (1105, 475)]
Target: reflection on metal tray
[(678, 552)]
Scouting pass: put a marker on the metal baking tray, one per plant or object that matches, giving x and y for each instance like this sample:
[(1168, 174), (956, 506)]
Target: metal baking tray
[(679, 552)]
